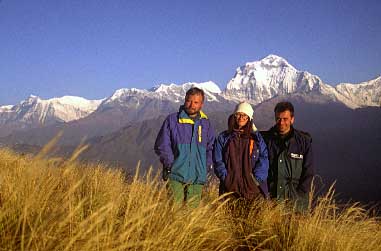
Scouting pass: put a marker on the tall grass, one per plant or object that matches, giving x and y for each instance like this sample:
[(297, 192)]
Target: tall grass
[(50, 204)]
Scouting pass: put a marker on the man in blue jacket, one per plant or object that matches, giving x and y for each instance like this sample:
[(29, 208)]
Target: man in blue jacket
[(291, 162), (184, 145)]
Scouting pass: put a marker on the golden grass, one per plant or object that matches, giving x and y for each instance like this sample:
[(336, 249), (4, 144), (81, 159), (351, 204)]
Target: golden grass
[(50, 204)]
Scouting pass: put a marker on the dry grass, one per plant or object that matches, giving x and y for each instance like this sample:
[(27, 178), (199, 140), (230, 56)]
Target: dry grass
[(48, 204)]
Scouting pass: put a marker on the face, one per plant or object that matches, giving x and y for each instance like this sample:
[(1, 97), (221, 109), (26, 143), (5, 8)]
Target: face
[(241, 119), (193, 104), (284, 120)]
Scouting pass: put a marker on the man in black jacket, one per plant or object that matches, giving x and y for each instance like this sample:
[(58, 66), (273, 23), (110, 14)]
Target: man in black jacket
[(290, 155)]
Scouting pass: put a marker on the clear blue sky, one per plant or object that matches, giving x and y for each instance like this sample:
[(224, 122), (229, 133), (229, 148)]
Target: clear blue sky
[(52, 48)]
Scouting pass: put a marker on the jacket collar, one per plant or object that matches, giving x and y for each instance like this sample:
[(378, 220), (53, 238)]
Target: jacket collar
[(275, 134), (184, 117)]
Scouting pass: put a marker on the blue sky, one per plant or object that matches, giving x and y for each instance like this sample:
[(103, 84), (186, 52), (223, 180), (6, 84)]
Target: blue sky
[(52, 48)]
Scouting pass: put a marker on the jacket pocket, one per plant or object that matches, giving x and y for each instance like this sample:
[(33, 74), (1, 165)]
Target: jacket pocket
[(296, 161)]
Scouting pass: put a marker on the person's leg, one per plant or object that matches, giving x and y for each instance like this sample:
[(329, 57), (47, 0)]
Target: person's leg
[(193, 195), (177, 191)]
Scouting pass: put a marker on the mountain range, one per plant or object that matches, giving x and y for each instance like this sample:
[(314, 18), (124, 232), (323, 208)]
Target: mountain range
[(121, 129), (254, 82)]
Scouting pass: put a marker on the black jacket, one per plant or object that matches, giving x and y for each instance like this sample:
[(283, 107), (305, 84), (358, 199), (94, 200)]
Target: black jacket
[(291, 164)]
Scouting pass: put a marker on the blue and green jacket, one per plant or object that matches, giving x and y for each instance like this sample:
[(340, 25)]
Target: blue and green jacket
[(185, 146)]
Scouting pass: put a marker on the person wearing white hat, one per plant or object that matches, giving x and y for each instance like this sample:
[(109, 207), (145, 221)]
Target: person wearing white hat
[(245, 108), (240, 158)]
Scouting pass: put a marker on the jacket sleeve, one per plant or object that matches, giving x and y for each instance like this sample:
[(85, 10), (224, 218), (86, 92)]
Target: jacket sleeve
[(209, 146), (308, 170), (218, 163), (261, 167), (163, 146)]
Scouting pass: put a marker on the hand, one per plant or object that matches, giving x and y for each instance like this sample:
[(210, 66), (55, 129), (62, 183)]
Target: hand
[(166, 173)]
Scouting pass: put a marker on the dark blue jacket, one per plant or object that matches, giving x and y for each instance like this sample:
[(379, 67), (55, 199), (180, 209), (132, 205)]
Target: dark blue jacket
[(185, 146), (291, 164)]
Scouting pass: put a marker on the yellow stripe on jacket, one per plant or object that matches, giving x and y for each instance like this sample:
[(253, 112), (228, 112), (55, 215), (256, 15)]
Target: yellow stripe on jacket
[(199, 133)]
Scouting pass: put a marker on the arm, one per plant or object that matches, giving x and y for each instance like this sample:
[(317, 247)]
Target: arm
[(209, 146), (218, 163), (163, 144), (261, 167), (308, 171)]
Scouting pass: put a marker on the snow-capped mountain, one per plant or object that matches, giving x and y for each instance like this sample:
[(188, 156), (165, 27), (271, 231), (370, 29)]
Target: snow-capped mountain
[(165, 92), (177, 92), (6, 108), (272, 76), (35, 110), (254, 82), (360, 95)]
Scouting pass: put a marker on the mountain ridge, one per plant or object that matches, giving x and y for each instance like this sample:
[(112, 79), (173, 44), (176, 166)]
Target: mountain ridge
[(254, 82)]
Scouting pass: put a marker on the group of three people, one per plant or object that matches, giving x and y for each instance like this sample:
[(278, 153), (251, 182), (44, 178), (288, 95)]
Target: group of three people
[(250, 164)]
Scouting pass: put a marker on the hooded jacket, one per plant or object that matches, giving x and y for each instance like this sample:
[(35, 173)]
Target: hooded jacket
[(237, 178), (185, 145)]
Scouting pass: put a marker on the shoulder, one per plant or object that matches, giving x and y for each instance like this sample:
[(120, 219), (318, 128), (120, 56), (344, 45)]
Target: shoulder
[(257, 135), (223, 137), (205, 121), (303, 135), (259, 139), (268, 135), (172, 117), (223, 134), (170, 120)]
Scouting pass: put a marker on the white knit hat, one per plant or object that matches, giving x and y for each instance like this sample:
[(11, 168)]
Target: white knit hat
[(245, 108)]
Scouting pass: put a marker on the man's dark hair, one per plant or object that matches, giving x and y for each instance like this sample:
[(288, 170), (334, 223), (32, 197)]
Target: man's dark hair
[(284, 106), (195, 91)]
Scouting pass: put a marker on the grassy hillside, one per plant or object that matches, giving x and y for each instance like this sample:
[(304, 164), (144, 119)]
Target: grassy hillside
[(50, 204)]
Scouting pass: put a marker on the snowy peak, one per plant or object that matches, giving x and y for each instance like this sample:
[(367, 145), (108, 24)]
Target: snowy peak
[(254, 82), (79, 102), (272, 61), (258, 81), (360, 95), (208, 86), (178, 91), (36, 110), (170, 92), (32, 99), (121, 94), (6, 108)]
